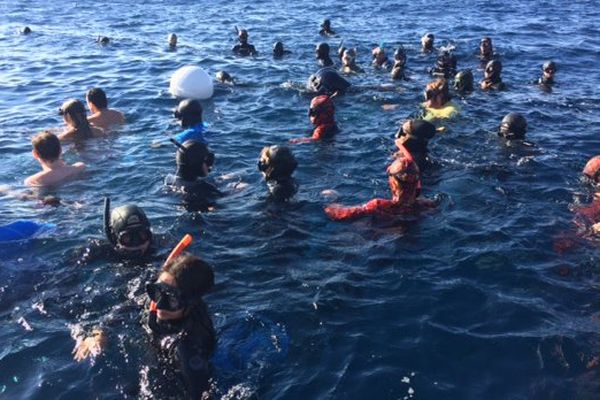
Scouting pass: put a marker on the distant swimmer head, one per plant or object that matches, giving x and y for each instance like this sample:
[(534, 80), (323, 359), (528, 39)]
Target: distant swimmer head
[(548, 71), (349, 57), (463, 81), (321, 111), (127, 228), (485, 47), (277, 162), (172, 40), (427, 42), (378, 55), (437, 93), (493, 69), (278, 49), (322, 51), (400, 57), (513, 126), (74, 114), (26, 30), (404, 178), (103, 40), (445, 65), (189, 112), (327, 81), (326, 25), (194, 160), (223, 77), (592, 169), (243, 35)]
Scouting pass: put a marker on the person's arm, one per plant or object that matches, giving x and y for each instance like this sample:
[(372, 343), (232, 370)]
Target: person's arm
[(339, 213), (194, 366), (90, 346)]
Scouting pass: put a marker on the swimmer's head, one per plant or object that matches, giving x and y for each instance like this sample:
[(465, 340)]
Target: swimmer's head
[(427, 42), (463, 81), (278, 49), (224, 77), (485, 46), (592, 169), (513, 126), (192, 278), (46, 147), (446, 64), (437, 93), (73, 113), (26, 30), (194, 160), (415, 134), (349, 57), (322, 51), (243, 35), (549, 69), (129, 230), (321, 111), (277, 162), (103, 40), (172, 39), (378, 54), (326, 25), (493, 69), (400, 57), (96, 99), (188, 112)]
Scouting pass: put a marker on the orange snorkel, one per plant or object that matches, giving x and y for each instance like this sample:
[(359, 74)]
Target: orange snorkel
[(177, 250)]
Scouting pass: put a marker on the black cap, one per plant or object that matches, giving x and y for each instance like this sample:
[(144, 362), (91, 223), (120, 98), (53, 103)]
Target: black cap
[(191, 157), (513, 126), (127, 218), (277, 162), (549, 65), (463, 81), (189, 112)]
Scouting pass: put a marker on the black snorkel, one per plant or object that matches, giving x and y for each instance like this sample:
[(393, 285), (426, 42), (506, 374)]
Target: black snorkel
[(107, 230)]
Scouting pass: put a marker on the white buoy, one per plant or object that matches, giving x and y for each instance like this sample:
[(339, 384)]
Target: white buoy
[(191, 82)]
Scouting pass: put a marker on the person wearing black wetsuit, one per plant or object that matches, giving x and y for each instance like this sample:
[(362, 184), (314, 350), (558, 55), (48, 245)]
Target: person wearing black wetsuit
[(492, 79), (243, 48), (180, 323), (277, 164), (322, 55)]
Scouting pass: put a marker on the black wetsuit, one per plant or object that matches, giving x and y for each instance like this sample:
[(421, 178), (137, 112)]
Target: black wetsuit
[(282, 190), (198, 195), (325, 61), (186, 346), (244, 49)]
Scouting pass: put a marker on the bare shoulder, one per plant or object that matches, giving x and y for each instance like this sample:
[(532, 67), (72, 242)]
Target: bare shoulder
[(97, 131), (36, 179)]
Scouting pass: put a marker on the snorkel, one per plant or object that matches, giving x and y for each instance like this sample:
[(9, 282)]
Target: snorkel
[(107, 230)]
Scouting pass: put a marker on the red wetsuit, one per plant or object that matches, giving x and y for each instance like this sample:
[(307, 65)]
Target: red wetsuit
[(380, 207)]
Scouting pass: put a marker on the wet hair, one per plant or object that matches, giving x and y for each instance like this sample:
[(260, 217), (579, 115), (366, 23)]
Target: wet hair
[(47, 146), (191, 157), (193, 276), (189, 112), (277, 162), (76, 111), (97, 97), (439, 86), (322, 50)]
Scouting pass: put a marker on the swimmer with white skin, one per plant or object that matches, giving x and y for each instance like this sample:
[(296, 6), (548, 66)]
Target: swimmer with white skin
[(427, 43), (102, 116), (78, 127)]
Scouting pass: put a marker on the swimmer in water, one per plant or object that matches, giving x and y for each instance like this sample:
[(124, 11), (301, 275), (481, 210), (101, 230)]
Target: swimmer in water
[(102, 116), (26, 31), (405, 184), (78, 126), (380, 60), (194, 163), (548, 71), (492, 79), (341, 51), (349, 62), (47, 151), (128, 230), (398, 71), (438, 104), (322, 55), (277, 164), (463, 82), (486, 50), (189, 114), (172, 39), (513, 127), (414, 135), (243, 48), (327, 81), (445, 65), (224, 77), (103, 40), (322, 116), (326, 28), (427, 43), (180, 325), (588, 217), (279, 51)]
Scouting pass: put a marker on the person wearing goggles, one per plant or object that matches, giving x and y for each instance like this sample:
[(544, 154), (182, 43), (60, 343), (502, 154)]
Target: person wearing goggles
[(243, 48), (128, 230), (405, 184), (427, 42), (349, 65), (322, 115), (492, 79), (189, 114), (398, 70), (414, 135), (463, 82), (548, 71), (486, 50), (380, 59), (277, 164), (513, 127)]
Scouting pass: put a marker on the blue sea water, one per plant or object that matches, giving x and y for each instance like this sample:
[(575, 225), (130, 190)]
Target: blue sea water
[(469, 302)]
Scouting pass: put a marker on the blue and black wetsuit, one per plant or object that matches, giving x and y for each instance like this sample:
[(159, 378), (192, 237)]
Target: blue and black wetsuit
[(195, 133)]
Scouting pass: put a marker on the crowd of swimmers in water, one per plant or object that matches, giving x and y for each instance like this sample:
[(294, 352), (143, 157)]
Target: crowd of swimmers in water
[(175, 305)]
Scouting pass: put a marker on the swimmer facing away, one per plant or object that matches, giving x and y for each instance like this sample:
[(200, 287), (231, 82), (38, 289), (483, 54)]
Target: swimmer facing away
[(172, 40), (398, 71), (189, 114), (326, 28), (243, 48), (277, 164), (179, 323), (102, 116), (438, 104), (322, 55), (47, 151), (322, 115), (405, 184), (414, 136), (279, 51), (78, 127)]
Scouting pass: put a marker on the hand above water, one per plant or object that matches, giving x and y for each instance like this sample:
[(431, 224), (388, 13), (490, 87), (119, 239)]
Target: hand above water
[(90, 346)]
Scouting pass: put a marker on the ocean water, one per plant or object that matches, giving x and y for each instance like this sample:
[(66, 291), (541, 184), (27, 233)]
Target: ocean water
[(472, 301)]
